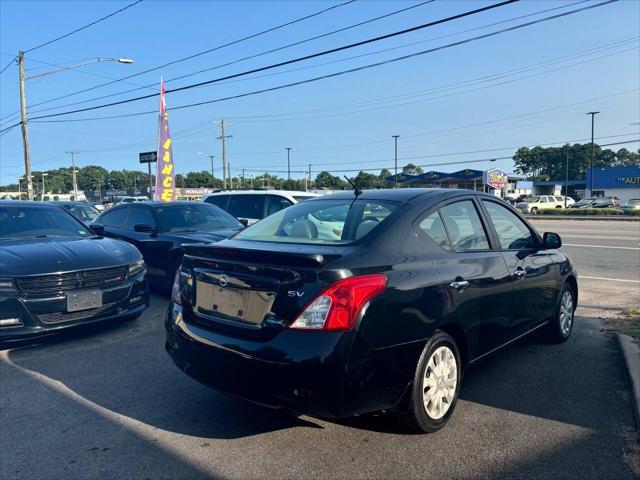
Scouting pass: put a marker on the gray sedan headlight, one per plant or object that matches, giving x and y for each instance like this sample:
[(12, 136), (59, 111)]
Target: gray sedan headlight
[(136, 267)]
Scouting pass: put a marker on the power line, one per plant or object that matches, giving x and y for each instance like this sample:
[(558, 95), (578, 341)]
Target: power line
[(303, 58), (84, 27), (283, 47), (322, 77), (219, 47), (7, 65)]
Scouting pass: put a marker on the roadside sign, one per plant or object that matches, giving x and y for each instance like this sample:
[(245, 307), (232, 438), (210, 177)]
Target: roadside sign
[(148, 157), (496, 178)]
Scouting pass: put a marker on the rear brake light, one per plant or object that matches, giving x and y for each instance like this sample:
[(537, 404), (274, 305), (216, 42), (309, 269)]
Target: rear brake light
[(338, 306)]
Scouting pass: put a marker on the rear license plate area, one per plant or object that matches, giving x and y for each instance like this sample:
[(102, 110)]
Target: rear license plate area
[(84, 300), (248, 306)]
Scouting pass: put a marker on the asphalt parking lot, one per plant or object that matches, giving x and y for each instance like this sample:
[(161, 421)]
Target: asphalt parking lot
[(108, 403)]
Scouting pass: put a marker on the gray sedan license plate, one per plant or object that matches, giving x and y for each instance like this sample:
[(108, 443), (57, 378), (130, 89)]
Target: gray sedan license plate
[(84, 300)]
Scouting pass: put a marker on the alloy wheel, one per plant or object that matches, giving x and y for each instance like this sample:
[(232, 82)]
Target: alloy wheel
[(439, 382), (566, 313)]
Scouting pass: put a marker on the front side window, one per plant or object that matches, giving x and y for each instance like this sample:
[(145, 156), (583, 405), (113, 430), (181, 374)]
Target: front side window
[(86, 213), (39, 222), (194, 217), (321, 221), (114, 218), (513, 234), (464, 227), (275, 203), (140, 215), (246, 206)]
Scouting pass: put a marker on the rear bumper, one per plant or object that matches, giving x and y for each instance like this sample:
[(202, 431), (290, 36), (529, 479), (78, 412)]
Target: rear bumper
[(45, 314), (308, 372)]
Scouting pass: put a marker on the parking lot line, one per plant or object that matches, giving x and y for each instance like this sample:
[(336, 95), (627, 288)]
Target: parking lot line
[(609, 279), (600, 246)]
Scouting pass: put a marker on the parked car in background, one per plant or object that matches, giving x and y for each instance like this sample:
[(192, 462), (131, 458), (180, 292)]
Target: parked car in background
[(55, 273), (597, 202), (540, 203), (133, 199), (419, 284), (631, 204), (253, 205), (160, 229), (83, 211)]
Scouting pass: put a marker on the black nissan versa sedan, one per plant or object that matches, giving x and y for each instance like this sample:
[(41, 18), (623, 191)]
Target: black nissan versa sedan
[(55, 273), (381, 311), (159, 229)]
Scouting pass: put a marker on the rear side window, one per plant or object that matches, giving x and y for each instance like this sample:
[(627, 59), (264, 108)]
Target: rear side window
[(513, 234), (434, 228), (140, 215), (275, 203), (246, 206), (114, 218), (218, 201), (559, 199), (321, 221), (464, 227)]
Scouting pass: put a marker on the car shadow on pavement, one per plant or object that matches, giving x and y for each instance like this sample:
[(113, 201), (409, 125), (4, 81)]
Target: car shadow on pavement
[(123, 367)]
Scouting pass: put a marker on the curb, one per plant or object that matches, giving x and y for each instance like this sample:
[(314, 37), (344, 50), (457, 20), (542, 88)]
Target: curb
[(620, 218), (631, 356)]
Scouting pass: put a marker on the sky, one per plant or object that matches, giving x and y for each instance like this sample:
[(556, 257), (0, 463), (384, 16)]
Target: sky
[(453, 108)]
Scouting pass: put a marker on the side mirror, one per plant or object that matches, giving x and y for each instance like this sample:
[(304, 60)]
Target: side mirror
[(144, 228), (244, 221), (551, 240), (97, 228)]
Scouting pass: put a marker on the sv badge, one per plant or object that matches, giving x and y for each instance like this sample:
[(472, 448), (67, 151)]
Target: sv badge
[(295, 293)]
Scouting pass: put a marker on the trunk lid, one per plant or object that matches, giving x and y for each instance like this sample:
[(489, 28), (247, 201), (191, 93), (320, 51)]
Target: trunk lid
[(253, 285)]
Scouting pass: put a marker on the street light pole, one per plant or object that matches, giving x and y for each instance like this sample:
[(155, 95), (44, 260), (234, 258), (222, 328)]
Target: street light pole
[(566, 176), (593, 116), (213, 183), (23, 107), (395, 141), (288, 149)]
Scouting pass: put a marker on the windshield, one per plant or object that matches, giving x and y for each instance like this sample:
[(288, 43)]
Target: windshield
[(634, 201), (86, 213), (39, 222), (321, 222), (585, 201), (194, 217)]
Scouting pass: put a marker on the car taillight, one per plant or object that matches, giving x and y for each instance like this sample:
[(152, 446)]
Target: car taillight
[(176, 296), (338, 306)]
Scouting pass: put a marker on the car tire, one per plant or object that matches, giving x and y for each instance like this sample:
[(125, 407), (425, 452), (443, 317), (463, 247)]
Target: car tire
[(560, 327), (534, 211), (439, 369), (558, 207)]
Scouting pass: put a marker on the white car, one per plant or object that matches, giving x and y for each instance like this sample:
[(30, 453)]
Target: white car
[(252, 205), (539, 203), (631, 204)]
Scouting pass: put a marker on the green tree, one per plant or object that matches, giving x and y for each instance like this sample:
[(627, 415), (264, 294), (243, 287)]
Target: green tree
[(411, 169), (325, 180)]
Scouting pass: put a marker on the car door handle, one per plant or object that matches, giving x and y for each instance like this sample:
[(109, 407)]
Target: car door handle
[(520, 272), (459, 285)]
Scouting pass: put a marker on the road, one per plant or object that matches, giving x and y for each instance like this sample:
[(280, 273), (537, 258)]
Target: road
[(108, 403)]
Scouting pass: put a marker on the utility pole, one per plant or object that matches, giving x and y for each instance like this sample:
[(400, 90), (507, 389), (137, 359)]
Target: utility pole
[(23, 125), (73, 173), (288, 149), (309, 174), (566, 176), (395, 142), (229, 174), (243, 184), (213, 182), (43, 190), (593, 116), (223, 138)]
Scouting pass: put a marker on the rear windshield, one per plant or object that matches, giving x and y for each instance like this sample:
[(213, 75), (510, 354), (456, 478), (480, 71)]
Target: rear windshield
[(194, 217), (39, 222), (321, 222)]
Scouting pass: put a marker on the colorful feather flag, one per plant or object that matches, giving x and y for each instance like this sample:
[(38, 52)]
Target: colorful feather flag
[(165, 171)]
